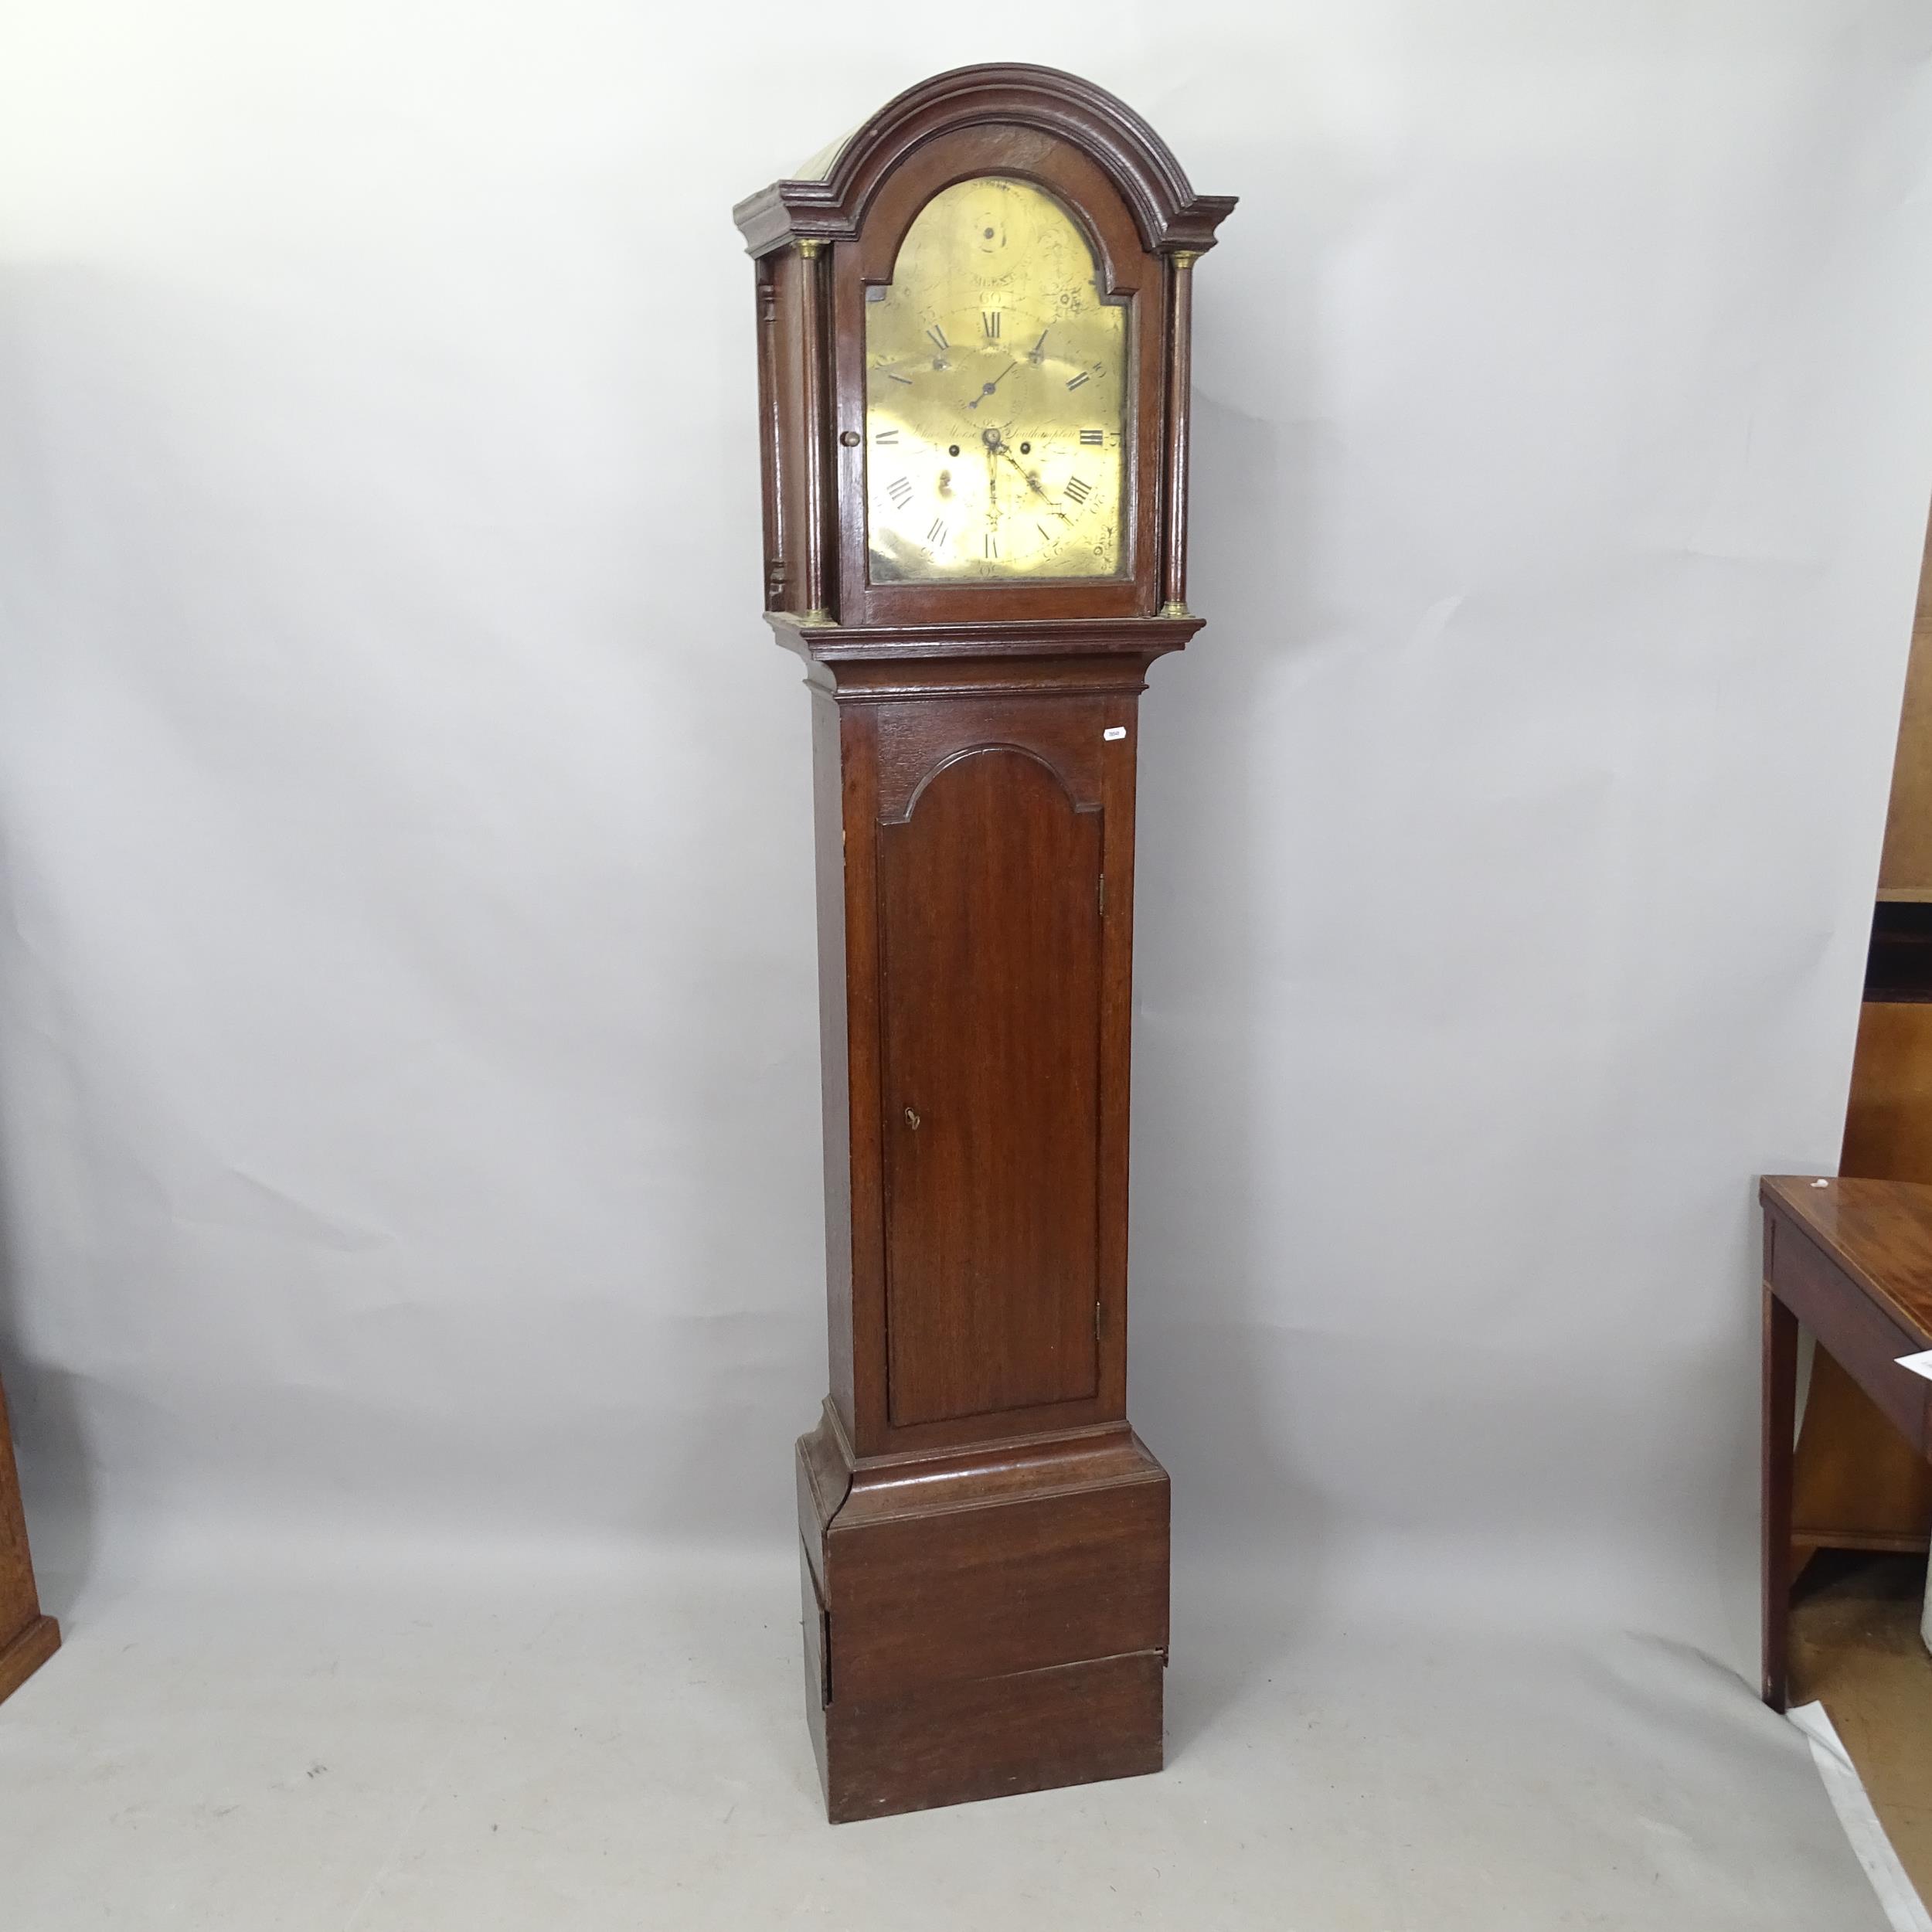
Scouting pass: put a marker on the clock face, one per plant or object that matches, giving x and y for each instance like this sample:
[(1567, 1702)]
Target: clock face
[(996, 386)]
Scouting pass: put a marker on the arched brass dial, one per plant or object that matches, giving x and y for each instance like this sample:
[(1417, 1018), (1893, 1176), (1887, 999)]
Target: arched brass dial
[(996, 384)]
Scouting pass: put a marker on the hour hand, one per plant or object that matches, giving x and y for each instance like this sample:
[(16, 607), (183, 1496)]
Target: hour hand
[(1033, 482), (1004, 448)]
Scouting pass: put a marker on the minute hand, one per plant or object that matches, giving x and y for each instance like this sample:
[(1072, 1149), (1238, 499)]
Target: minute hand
[(987, 389)]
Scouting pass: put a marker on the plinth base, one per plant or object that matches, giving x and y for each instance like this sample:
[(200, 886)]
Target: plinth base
[(983, 1621), (30, 1648)]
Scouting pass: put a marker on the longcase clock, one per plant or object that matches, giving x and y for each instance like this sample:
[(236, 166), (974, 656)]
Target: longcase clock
[(973, 323)]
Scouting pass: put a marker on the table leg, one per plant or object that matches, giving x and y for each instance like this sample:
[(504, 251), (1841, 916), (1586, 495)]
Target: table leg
[(1781, 1395)]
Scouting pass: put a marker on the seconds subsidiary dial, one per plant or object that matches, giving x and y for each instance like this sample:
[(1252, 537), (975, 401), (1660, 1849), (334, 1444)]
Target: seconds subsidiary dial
[(995, 396)]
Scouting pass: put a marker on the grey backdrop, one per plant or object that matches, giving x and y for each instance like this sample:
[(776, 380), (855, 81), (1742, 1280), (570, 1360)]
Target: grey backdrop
[(409, 1076)]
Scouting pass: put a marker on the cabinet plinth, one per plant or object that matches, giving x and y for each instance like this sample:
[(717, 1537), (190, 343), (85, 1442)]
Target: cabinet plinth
[(982, 1621)]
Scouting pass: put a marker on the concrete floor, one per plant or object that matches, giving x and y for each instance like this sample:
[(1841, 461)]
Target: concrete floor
[(1856, 1646), (626, 1753)]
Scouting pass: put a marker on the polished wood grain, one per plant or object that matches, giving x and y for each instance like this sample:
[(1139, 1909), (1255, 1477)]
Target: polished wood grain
[(27, 1638), (981, 1737), (1879, 1232), (963, 1611), (908, 726), (1852, 1261), (979, 1565), (992, 1085), (983, 1540), (839, 1002)]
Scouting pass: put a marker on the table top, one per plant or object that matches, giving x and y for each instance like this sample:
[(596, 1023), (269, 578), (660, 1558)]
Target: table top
[(1880, 1231)]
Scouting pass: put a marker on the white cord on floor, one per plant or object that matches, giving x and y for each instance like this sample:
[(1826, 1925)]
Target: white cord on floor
[(1846, 1790)]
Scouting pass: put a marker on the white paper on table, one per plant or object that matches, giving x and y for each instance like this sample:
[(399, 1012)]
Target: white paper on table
[(1919, 1364)]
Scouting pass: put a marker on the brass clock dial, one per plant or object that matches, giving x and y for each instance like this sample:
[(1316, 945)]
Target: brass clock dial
[(996, 397)]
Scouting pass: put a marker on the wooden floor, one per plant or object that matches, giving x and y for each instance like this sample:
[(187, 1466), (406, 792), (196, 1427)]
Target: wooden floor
[(1856, 1646)]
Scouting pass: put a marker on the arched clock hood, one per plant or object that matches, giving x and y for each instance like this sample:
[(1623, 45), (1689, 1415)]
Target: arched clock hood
[(827, 200)]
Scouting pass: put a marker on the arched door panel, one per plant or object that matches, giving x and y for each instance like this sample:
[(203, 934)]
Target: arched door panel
[(990, 927)]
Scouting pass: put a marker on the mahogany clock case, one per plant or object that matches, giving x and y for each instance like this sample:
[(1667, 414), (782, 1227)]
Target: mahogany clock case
[(984, 1539)]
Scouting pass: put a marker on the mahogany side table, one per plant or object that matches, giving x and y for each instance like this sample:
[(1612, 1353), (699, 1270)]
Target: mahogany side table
[(27, 1638), (1852, 1260)]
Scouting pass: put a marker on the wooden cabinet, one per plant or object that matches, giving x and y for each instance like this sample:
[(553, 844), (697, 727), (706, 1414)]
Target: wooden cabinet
[(983, 1538), (1858, 1484), (27, 1638)]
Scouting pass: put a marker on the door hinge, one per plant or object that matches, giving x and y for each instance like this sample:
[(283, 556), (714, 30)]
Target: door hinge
[(1097, 1321), (1102, 895)]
